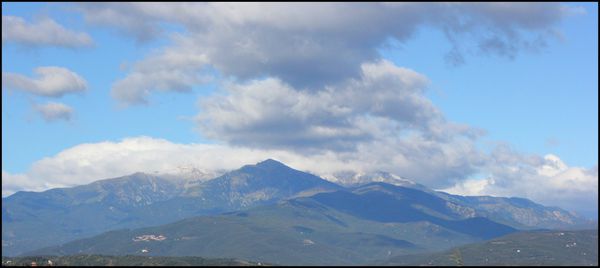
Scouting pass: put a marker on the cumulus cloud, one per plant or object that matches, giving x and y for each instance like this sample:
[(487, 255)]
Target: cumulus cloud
[(547, 180), (44, 32), (54, 111), (269, 114), (310, 45), (175, 69), (385, 101), (51, 81), (383, 121)]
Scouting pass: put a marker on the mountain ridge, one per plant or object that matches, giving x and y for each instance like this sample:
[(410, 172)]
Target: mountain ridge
[(139, 199), (304, 230)]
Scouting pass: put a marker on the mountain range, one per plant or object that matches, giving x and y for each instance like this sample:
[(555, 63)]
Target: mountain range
[(266, 212)]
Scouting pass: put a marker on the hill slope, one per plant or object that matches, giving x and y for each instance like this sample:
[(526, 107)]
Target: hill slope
[(571, 248)]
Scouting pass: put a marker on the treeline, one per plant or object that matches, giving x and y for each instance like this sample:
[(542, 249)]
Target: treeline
[(130, 260)]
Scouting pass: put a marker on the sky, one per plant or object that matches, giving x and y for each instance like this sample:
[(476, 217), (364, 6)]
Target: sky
[(480, 99)]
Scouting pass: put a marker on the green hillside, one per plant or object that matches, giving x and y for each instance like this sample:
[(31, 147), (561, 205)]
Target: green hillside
[(100, 260), (565, 248)]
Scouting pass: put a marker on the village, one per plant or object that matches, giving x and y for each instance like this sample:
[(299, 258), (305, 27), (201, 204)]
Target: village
[(148, 238)]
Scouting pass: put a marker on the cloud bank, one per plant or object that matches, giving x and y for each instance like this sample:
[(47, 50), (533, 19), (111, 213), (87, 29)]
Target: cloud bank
[(542, 179)]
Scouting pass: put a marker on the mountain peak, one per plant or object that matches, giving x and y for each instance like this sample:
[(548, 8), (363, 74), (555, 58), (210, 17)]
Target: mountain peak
[(270, 163)]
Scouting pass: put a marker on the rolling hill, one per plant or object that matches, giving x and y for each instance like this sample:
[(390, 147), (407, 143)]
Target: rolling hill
[(568, 248)]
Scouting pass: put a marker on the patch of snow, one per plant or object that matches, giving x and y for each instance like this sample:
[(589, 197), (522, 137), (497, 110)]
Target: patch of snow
[(351, 178)]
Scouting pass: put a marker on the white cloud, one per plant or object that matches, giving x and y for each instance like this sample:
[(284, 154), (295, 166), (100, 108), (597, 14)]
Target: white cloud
[(175, 69), (89, 162), (547, 180), (551, 182), (44, 32), (12, 183), (379, 121), (51, 81), (131, 18), (385, 100), (53, 111)]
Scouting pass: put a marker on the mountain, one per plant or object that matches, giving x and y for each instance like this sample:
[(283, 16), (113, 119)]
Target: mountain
[(356, 226), (383, 202), (32, 220), (517, 212), (264, 182), (568, 248)]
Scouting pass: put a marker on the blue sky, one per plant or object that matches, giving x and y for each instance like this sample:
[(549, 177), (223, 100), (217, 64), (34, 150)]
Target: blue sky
[(98, 116), (529, 101), (539, 102)]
